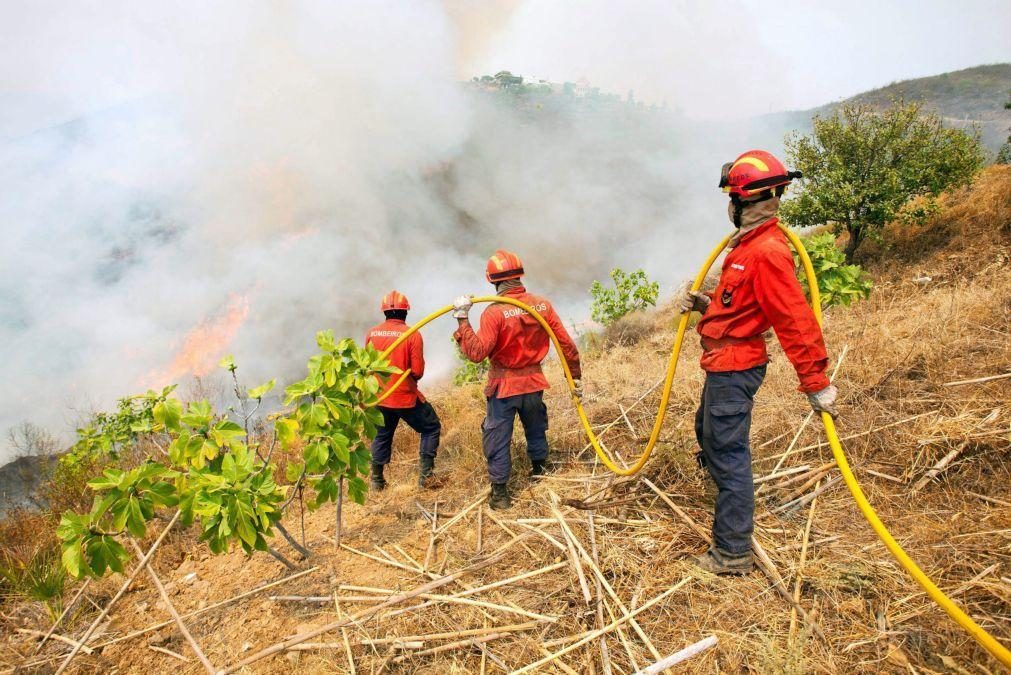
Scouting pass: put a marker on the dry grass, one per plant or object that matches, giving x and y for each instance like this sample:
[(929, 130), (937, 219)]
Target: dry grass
[(903, 344)]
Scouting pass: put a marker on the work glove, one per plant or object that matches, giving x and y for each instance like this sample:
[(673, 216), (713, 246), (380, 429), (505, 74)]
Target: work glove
[(461, 306), (577, 388), (691, 301), (824, 400)]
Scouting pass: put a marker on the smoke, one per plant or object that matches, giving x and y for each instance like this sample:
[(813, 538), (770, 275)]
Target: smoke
[(233, 178)]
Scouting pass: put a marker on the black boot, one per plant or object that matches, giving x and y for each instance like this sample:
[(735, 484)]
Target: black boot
[(378, 482), (500, 497), (540, 467), (426, 466)]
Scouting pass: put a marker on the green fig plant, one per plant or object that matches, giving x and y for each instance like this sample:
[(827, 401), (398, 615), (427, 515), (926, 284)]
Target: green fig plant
[(211, 470)]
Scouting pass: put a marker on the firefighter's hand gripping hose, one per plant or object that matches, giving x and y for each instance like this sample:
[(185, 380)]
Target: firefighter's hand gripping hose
[(988, 642)]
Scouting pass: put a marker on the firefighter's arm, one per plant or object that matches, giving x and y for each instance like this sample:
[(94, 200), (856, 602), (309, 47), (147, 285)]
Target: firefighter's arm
[(781, 298), (476, 346), (569, 349), (417, 356)]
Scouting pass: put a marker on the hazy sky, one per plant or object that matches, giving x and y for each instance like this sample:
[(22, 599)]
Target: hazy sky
[(747, 57), (710, 59)]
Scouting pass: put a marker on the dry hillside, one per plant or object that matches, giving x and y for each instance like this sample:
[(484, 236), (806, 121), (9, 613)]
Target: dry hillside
[(940, 313)]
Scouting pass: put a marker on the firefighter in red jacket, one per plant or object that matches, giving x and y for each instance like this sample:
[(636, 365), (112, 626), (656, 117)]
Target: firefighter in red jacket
[(757, 290), (516, 344), (406, 403)]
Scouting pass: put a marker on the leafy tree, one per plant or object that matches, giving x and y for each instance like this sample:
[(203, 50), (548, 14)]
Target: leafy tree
[(631, 292), (838, 283), (1004, 155), (864, 168)]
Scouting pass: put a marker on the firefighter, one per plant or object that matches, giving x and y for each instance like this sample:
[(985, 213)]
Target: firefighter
[(757, 290), (516, 344), (406, 403)]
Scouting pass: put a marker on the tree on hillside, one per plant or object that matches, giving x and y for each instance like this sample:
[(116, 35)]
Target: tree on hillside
[(864, 167), (1004, 155)]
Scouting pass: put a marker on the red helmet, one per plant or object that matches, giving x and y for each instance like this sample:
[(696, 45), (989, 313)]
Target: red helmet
[(503, 266), (394, 300), (753, 172)]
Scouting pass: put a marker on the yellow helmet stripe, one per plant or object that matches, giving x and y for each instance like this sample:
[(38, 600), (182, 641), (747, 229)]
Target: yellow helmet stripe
[(753, 161)]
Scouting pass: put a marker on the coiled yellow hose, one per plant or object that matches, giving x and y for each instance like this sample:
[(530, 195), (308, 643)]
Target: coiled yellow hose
[(988, 642)]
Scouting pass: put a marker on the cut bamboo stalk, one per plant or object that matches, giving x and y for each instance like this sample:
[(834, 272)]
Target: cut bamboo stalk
[(452, 599), (63, 615), (392, 563), (605, 657), (603, 580), (806, 476), (799, 492), (765, 562), (592, 635), (934, 471), (678, 510), (495, 557), (992, 500), (574, 561), (339, 513), (122, 589), (677, 657), (495, 519), (622, 637), (175, 615), (547, 537), (885, 476)]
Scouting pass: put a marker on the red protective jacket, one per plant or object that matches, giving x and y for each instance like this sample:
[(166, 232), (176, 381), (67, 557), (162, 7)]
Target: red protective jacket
[(409, 354), (758, 289), (516, 345)]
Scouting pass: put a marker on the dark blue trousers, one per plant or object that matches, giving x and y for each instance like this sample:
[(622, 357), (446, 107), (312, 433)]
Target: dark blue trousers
[(497, 431), (421, 418), (723, 429)]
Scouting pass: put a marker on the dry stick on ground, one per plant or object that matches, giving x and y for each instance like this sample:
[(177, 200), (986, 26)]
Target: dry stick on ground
[(800, 570), (452, 599), (800, 501), (505, 527), (63, 615), (480, 541), (168, 652), (677, 657), (431, 536), (990, 378), (600, 575), (577, 567), (175, 615), (875, 430), (788, 472), (58, 638), (427, 637), (344, 637), (495, 557), (992, 500), (592, 635), (471, 642), (807, 419), (105, 612), (763, 558), (605, 657), (452, 521), (339, 512), (934, 471)]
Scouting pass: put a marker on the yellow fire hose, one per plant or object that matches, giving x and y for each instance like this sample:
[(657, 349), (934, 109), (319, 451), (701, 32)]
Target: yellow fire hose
[(988, 642)]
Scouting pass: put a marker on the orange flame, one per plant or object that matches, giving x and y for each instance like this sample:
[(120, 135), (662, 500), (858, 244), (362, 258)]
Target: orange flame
[(205, 343)]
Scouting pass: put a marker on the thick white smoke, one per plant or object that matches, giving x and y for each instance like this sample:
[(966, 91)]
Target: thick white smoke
[(235, 178)]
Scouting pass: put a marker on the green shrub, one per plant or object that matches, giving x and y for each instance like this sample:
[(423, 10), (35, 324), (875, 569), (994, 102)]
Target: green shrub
[(838, 283), (468, 372), (631, 292)]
